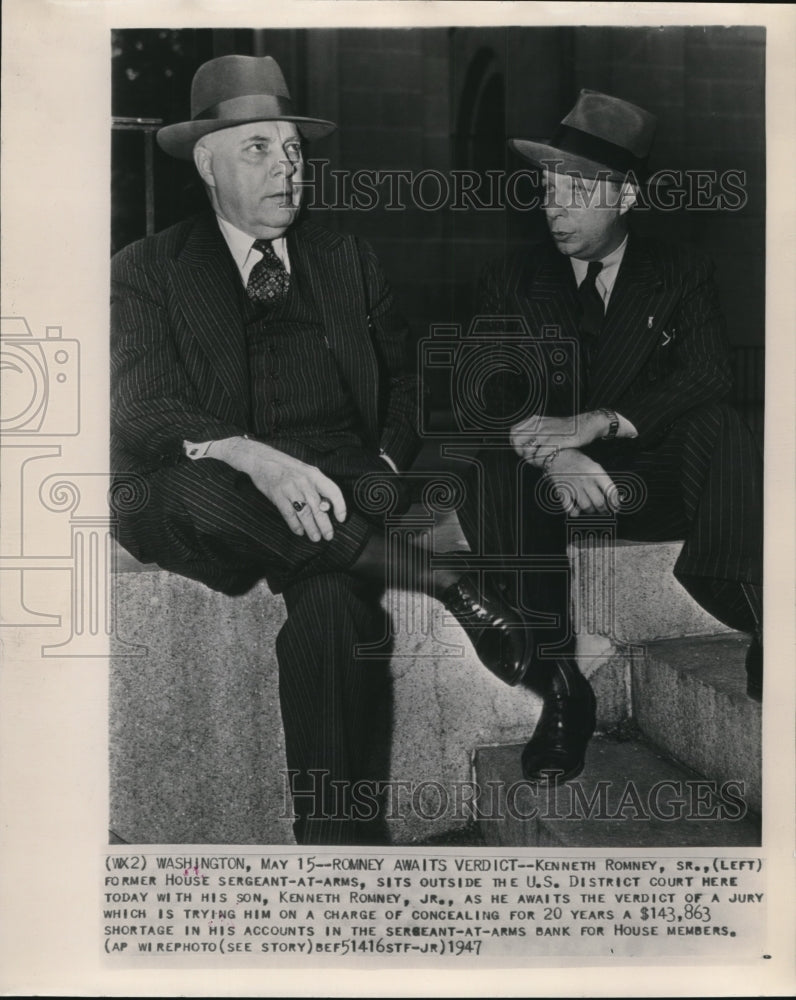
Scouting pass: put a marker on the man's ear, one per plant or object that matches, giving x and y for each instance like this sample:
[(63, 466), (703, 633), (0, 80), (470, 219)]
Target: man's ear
[(203, 160), (628, 197)]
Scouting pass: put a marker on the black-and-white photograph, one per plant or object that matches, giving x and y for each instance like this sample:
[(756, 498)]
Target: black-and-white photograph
[(398, 462), (437, 408)]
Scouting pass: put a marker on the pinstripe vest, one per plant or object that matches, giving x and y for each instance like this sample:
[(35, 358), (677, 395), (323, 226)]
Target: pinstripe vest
[(298, 397)]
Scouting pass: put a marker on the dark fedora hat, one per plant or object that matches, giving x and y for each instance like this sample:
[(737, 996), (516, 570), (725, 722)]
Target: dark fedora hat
[(234, 90), (602, 136)]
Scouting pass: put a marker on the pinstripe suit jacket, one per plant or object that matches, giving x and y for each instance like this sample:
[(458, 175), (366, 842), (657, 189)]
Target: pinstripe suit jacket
[(179, 359), (663, 347)]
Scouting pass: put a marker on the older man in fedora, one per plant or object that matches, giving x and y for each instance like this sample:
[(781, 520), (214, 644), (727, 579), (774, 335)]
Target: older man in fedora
[(259, 372), (641, 410)]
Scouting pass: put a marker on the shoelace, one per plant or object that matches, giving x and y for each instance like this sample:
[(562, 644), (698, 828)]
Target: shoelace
[(465, 608)]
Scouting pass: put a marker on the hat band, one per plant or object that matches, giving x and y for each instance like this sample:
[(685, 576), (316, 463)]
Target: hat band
[(592, 147), (265, 106)]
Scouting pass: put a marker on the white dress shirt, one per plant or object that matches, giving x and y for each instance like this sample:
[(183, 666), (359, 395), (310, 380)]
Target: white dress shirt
[(607, 276), (241, 246)]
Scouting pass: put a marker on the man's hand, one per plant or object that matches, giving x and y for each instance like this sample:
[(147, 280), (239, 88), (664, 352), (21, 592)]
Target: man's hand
[(581, 485), (286, 481), (537, 438)]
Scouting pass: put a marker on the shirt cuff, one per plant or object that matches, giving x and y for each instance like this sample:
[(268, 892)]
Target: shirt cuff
[(195, 451), (626, 428), (383, 454)]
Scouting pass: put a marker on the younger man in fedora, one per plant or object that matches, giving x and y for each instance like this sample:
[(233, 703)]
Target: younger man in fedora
[(645, 399), (259, 371)]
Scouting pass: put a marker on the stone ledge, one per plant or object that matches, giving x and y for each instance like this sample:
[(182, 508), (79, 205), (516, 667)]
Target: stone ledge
[(626, 591), (197, 745), (196, 740), (197, 748)]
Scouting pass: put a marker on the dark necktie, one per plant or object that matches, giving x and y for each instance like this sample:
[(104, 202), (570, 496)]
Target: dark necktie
[(592, 310), (268, 280)]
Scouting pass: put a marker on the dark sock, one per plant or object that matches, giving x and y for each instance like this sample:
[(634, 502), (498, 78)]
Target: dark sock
[(408, 569)]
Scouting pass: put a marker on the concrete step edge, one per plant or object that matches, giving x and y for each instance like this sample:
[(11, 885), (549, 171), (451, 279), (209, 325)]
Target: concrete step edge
[(689, 699)]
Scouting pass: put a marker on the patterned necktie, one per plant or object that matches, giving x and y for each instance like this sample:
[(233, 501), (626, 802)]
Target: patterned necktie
[(268, 281), (592, 310)]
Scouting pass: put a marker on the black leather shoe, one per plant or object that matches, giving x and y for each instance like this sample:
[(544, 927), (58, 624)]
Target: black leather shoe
[(557, 750), (754, 668), (502, 641)]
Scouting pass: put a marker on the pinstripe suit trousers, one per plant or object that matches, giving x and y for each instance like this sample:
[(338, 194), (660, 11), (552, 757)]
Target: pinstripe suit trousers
[(208, 514)]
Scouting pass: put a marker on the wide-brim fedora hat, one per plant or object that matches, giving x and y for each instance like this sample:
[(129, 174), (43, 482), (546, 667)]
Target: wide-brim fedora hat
[(234, 90), (602, 137)]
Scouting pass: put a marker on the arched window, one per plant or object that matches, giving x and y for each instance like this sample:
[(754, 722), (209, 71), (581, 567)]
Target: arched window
[(480, 141)]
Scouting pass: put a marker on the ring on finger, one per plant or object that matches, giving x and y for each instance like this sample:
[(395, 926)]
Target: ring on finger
[(299, 505)]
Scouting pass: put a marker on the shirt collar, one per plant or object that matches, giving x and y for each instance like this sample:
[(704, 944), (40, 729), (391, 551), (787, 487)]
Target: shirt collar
[(240, 246), (610, 268)]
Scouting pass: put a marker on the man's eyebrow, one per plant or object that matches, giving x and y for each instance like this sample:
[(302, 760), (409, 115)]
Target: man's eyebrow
[(256, 137)]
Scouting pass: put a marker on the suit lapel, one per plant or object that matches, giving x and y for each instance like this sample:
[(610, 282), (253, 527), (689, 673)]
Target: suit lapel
[(547, 297), (333, 270), (205, 281), (633, 322)]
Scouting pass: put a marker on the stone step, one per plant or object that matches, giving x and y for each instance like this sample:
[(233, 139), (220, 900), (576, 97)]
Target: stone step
[(689, 698), (629, 796)]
